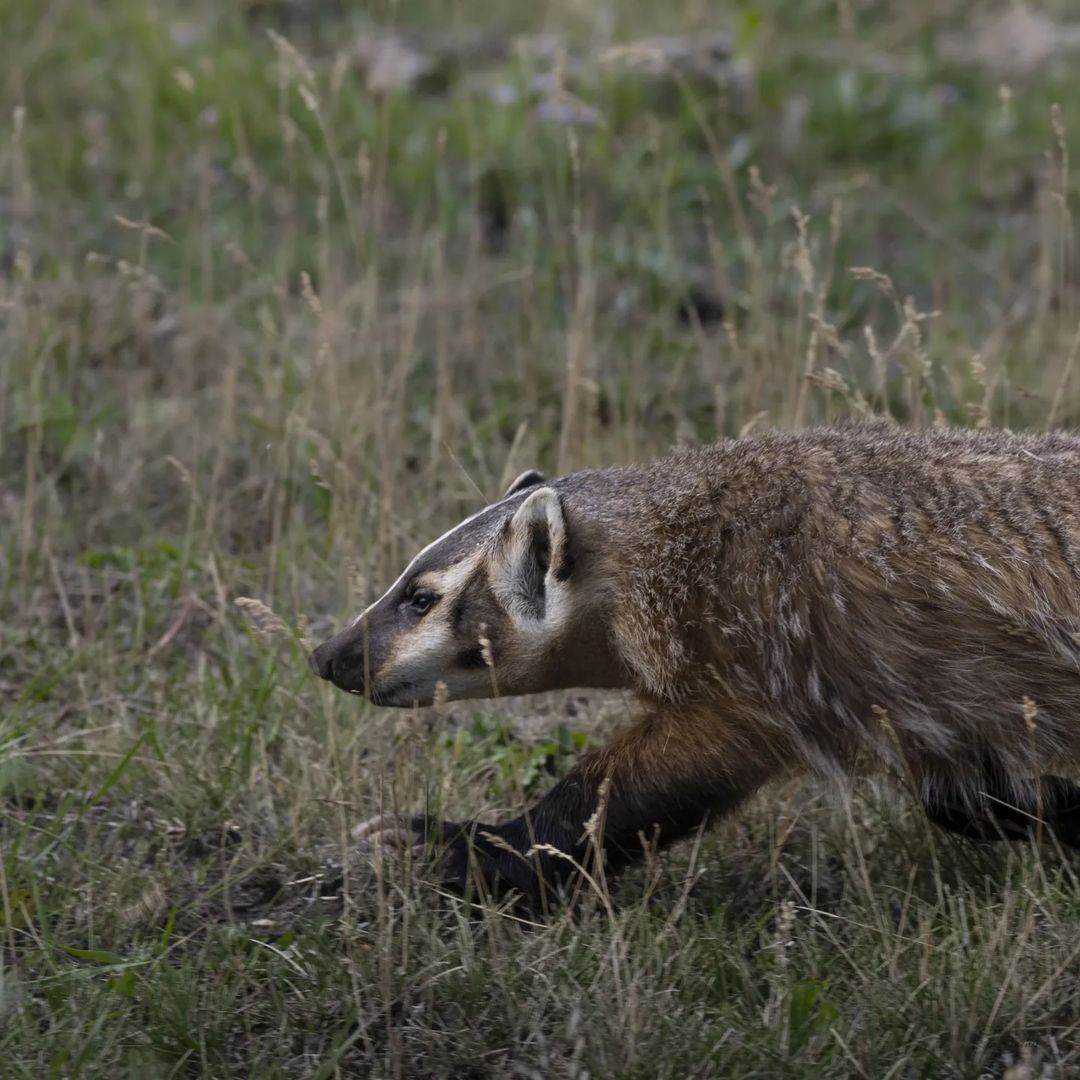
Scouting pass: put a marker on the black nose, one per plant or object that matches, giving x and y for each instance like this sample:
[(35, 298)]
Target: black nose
[(342, 661), (321, 661)]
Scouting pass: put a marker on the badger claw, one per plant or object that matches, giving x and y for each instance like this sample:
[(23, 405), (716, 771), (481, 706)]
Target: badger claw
[(468, 854), (388, 832)]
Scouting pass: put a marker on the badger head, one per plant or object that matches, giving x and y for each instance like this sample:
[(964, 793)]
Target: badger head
[(511, 601)]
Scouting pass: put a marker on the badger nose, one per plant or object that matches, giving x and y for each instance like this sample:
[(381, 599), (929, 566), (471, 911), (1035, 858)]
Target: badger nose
[(341, 660), (321, 661)]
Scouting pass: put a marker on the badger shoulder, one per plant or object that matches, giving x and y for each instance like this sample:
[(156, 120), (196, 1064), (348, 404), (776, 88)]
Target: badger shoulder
[(756, 540)]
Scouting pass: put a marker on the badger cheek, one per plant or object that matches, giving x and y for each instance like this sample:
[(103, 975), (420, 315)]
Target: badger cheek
[(418, 662)]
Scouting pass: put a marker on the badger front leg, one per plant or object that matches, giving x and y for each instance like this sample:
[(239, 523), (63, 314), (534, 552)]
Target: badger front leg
[(654, 783)]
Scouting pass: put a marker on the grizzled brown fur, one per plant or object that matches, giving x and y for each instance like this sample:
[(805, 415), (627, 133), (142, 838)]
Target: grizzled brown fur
[(836, 600)]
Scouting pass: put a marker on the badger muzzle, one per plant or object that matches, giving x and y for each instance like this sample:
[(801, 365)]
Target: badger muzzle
[(345, 660)]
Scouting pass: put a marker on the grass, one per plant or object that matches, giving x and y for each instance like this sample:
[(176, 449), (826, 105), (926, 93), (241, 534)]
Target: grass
[(263, 333)]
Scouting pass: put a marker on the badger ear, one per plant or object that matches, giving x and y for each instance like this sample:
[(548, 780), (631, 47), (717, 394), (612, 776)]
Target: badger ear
[(529, 478), (532, 553)]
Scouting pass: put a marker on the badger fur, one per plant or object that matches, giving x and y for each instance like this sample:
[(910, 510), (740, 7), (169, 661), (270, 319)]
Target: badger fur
[(830, 601)]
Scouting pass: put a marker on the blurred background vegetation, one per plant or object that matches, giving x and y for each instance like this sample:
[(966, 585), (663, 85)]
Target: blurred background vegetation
[(286, 289)]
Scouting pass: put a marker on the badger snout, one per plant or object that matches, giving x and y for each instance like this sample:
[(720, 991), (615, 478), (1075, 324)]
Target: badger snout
[(321, 660), (340, 660)]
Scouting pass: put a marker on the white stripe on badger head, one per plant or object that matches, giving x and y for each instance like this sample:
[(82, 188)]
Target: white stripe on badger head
[(434, 543)]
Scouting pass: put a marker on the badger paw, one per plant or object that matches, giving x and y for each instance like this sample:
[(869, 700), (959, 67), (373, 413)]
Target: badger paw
[(475, 860), (398, 834), (389, 832)]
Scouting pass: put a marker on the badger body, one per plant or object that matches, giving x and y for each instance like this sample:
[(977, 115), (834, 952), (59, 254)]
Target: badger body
[(836, 600)]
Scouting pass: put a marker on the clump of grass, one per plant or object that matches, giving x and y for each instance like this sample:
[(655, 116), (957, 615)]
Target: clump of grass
[(264, 333)]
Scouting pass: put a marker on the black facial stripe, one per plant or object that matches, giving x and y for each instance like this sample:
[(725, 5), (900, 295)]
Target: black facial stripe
[(469, 601), (457, 612), (472, 658)]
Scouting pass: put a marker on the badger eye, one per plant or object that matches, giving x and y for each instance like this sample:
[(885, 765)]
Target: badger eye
[(422, 601)]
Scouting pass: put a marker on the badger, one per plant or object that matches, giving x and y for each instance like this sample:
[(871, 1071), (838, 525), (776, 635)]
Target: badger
[(830, 601)]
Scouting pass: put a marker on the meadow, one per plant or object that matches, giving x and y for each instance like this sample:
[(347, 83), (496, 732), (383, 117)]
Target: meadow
[(288, 288)]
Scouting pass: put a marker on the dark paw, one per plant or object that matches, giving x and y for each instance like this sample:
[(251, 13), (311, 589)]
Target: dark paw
[(388, 832), (451, 842), (448, 841), (489, 863), (477, 861)]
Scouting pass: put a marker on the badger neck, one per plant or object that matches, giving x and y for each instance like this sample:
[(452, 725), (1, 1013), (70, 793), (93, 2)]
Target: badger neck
[(653, 537)]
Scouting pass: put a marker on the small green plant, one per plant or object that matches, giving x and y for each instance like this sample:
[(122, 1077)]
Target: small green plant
[(514, 763)]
